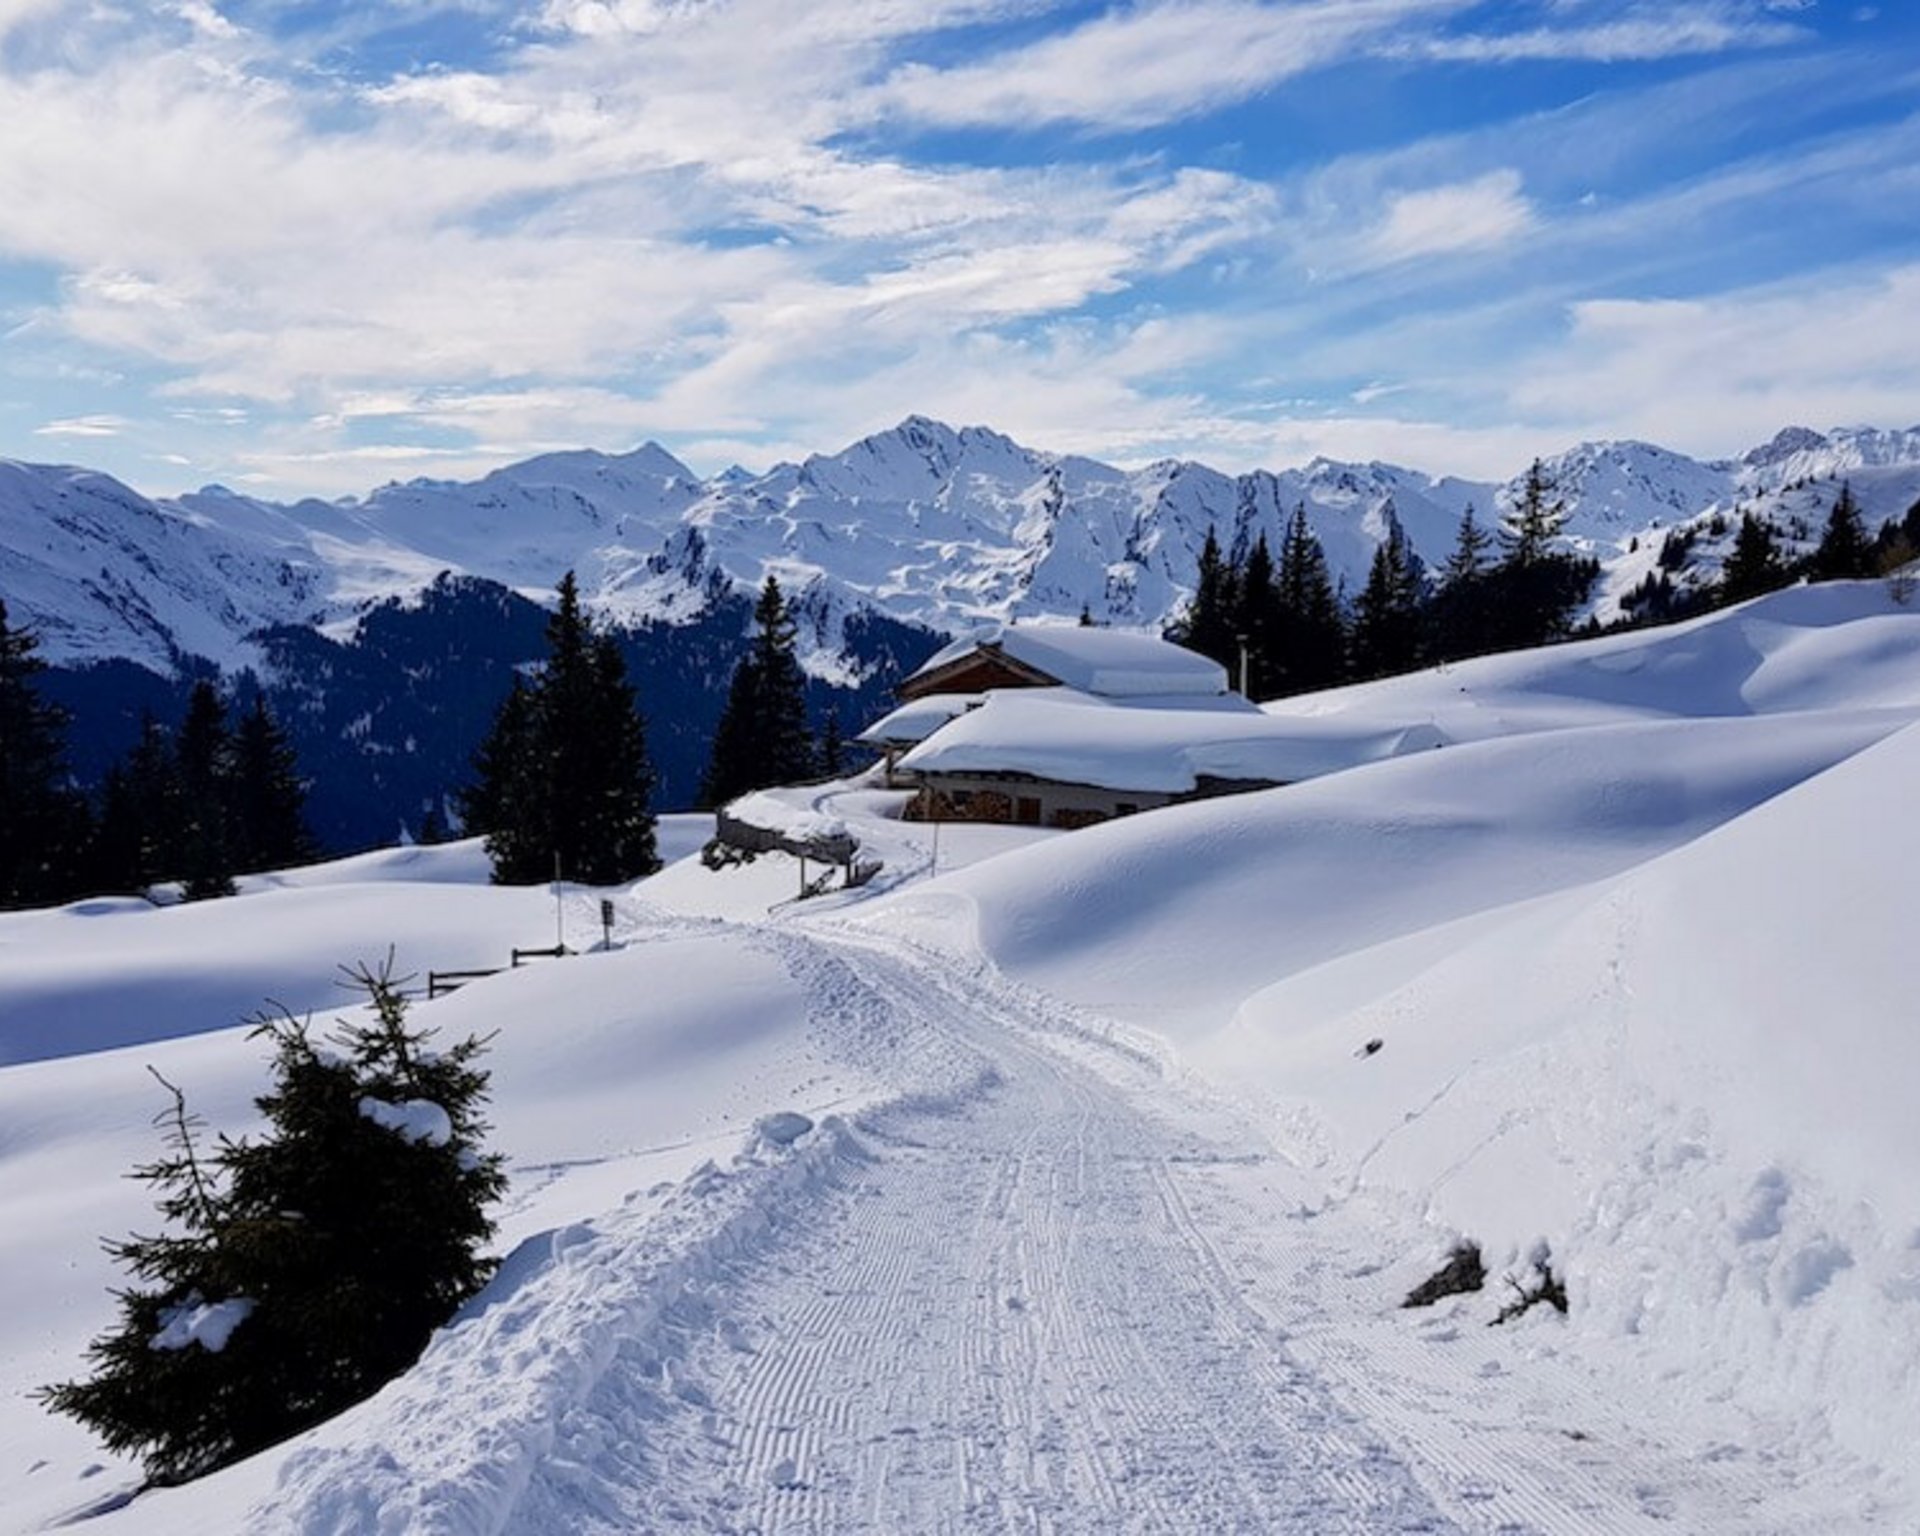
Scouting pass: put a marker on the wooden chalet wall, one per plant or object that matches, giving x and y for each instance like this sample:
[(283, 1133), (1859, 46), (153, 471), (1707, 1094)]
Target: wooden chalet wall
[(976, 672)]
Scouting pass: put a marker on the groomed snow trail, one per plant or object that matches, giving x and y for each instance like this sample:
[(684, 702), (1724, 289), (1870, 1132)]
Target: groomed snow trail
[(1004, 1319), (1050, 1286)]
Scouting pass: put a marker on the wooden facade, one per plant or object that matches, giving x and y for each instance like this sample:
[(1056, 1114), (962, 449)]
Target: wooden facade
[(1026, 800), (984, 667)]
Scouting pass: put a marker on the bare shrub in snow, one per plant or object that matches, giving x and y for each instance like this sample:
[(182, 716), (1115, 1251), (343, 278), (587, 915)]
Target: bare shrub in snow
[(297, 1272), (1463, 1271), (1541, 1285)]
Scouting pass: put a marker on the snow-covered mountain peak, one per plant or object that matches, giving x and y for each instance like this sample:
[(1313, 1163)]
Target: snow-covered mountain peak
[(1797, 455), (948, 527), (1610, 486)]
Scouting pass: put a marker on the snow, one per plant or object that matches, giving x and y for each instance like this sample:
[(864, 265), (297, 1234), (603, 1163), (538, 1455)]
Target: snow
[(951, 529), (787, 813), (919, 718), (209, 1324), (1152, 743), (1113, 663), (1050, 1182), (416, 1120)]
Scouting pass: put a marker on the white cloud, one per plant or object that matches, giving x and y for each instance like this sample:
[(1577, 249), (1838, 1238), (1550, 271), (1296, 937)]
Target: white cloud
[(1700, 374), (1151, 63), (1486, 212), (1677, 32), (83, 426)]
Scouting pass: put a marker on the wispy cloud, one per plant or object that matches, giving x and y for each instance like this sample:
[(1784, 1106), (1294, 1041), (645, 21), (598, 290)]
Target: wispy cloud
[(1487, 211), (1675, 32), (744, 221), (82, 426), (1151, 63)]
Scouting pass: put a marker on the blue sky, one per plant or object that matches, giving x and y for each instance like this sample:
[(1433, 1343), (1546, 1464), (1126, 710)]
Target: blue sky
[(305, 247)]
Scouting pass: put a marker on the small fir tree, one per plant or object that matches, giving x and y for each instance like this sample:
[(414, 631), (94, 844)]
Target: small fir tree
[(299, 1271)]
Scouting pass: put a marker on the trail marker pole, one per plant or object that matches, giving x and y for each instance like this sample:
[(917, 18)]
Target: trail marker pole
[(606, 922)]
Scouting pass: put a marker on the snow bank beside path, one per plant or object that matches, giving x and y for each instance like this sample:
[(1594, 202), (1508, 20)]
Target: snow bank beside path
[(1695, 1081), (1170, 920), (613, 1075)]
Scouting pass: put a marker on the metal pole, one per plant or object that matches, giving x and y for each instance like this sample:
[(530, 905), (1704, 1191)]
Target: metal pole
[(559, 912)]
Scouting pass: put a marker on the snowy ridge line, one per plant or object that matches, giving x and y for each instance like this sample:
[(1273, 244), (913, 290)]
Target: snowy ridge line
[(922, 523), (456, 1443)]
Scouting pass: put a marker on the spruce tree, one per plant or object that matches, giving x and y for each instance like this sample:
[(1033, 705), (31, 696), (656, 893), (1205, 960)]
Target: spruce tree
[(562, 778), (43, 822), (302, 1270), (1386, 618), (1531, 523), (267, 801), (762, 737), (505, 803), (1753, 564), (1461, 623), (1845, 552), (1470, 546), (1535, 589), (614, 839), (833, 748), (142, 829), (1261, 624), (204, 763), (1312, 652), (1211, 623)]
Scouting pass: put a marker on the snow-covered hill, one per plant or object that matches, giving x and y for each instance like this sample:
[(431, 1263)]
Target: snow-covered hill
[(1126, 1142), (941, 527)]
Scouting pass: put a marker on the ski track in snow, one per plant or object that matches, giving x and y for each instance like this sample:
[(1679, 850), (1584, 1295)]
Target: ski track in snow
[(1004, 1319), (1055, 1287)]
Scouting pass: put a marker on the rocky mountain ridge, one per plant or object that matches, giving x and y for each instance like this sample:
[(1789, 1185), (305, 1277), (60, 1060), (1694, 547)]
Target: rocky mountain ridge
[(935, 526)]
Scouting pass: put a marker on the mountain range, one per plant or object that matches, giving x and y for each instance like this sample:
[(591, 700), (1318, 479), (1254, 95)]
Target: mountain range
[(428, 589)]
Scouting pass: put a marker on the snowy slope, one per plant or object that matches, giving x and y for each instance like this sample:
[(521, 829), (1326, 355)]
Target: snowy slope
[(1105, 1207), (948, 528)]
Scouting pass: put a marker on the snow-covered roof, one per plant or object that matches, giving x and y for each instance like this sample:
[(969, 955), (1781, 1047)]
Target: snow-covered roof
[(1114, 663), (919, 718), (1073, 738)]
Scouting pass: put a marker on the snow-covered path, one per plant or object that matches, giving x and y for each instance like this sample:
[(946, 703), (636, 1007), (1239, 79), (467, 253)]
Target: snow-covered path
[(1060, 1293), (1007, 1319), (1048, 1284)]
